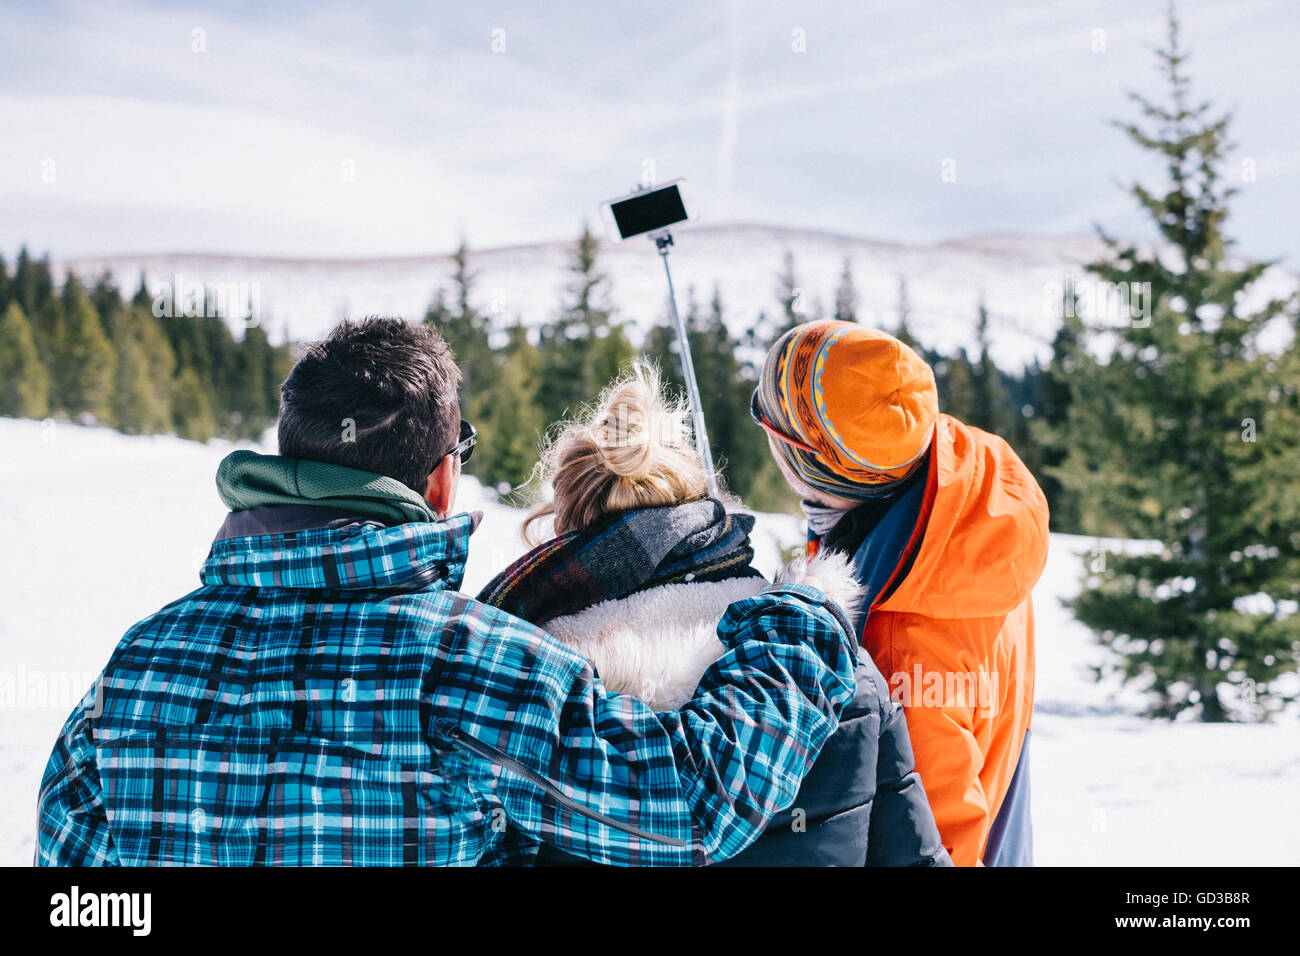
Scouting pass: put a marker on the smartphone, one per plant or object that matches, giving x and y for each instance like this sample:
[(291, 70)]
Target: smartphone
[(648, 211)]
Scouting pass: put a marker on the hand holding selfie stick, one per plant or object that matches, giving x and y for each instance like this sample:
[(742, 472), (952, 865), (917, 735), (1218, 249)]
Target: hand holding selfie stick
[(649, 211)]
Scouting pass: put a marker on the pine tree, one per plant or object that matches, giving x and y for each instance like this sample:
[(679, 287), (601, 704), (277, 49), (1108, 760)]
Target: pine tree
[(1186, 434), (726, 407), (108, 303), (145, 367), (256, 378), (439, 314), (1050, 433), (24, 380), (191, 409), (279, 360), (955, 378), (585, 347), (903, 329), (846, 296), (790, 296), (33, 283), (86, 363), (511, 428), (990, 403), (467, 331), (142, 298), (134, 408), (1024, 396), (33, 289), (220, 373), (717, 373), (739, 445)]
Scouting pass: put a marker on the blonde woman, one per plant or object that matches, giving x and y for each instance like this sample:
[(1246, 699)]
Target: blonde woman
[(641, 567)]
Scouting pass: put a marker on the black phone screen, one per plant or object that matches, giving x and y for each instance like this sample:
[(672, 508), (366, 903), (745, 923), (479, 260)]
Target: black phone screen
[(649, 211)]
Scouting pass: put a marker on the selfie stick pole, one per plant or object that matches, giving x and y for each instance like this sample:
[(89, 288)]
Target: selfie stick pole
[(662, 242)]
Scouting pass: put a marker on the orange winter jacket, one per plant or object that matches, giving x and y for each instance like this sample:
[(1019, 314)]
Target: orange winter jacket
[(954, 631)]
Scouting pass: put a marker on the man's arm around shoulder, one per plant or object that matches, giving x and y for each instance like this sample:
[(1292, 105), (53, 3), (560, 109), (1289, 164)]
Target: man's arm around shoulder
[(602, 776)]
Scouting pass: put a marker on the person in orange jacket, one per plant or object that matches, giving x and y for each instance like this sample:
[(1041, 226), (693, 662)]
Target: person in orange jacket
[(948, 534)]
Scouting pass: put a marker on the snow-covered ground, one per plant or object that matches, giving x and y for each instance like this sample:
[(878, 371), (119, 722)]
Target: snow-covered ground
[(101, 529)]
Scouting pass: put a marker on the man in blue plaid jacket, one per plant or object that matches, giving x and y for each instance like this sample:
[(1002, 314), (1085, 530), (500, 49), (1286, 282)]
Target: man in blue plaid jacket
[(328, 697)]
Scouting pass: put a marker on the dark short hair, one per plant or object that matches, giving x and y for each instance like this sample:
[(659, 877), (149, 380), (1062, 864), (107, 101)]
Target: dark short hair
[(379, 395)]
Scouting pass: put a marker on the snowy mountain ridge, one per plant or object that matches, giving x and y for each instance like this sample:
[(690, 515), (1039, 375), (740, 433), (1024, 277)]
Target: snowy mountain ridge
[(1019, 278)]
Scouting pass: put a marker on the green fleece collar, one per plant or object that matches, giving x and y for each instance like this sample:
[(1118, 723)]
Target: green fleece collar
[(247, 480)]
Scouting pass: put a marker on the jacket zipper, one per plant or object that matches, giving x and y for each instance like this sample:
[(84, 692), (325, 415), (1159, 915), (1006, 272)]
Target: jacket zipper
[(488, 752)]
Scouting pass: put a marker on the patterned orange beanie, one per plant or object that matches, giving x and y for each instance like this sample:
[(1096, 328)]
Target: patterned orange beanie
[(852, 409)]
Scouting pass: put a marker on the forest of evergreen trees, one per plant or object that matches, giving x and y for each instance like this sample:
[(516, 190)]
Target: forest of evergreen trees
[(85, 353), (518, 383), (89, 355)]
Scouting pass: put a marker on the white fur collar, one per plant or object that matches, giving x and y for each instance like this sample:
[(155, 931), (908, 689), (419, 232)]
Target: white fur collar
[(657, 644)]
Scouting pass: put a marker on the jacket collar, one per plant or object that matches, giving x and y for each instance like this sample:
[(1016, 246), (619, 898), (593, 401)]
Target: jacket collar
[(279, 519), (981, 542), (413, 556)]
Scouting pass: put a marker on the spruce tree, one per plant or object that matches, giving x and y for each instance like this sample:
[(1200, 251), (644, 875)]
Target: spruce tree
[(846, 296), (220, 373), (585, 347), (511, 427), (1185, 433), (33, 289), (726, 407), (789, 294), (1049, 431), (142, 298), (86, 363), (741, 446), (108, 303), (252, 410), (145, 368), (191, 408), (468, 332), (148, 332), (135, 408), (990, 403), (33, 283), (718, 375), (955, 379), (24, 380), (1024, 396), (903, 329)]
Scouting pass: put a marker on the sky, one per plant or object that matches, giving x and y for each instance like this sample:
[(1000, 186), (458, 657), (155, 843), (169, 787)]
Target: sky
[(378, 129)]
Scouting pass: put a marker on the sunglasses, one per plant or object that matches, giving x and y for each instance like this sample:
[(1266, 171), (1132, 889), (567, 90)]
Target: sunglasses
[(468, 439), (771, 429)]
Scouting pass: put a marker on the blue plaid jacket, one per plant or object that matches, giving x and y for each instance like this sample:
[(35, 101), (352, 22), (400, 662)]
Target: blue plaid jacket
[(328, 697)]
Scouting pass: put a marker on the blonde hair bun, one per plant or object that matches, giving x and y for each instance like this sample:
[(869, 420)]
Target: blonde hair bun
[(639, 432), (633, 449)]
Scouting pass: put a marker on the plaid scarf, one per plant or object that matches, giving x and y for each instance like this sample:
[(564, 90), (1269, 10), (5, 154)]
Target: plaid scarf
[(627, 552)]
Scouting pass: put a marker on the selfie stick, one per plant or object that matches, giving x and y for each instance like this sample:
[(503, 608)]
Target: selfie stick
[(662, 241)]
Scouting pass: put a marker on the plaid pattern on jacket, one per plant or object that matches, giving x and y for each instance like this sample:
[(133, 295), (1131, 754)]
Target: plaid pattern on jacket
[(328, 697)]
